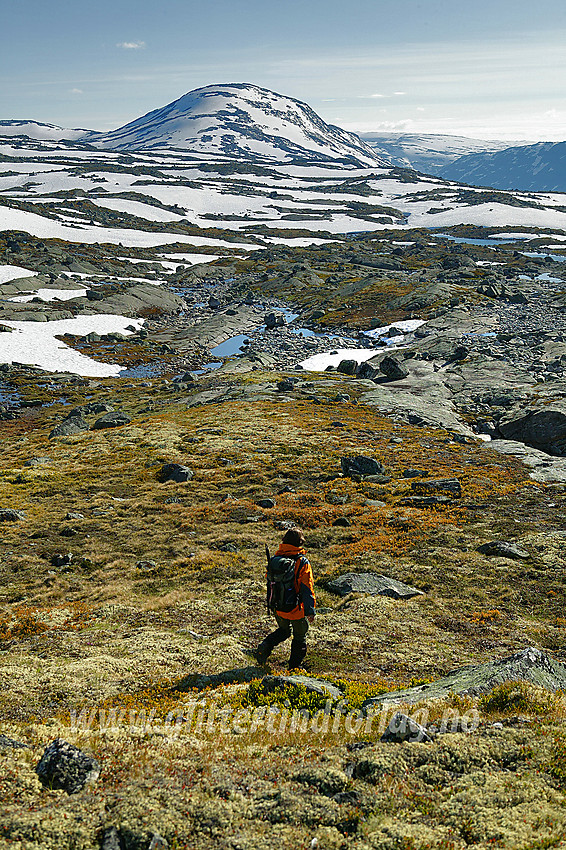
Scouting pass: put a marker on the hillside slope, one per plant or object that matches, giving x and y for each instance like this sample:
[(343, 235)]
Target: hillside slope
[(245, 121)]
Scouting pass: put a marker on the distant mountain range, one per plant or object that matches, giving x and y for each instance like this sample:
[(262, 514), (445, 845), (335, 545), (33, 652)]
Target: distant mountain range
[(517, 165), (531, 168), (249, 123), (429, 152), (43, 132)]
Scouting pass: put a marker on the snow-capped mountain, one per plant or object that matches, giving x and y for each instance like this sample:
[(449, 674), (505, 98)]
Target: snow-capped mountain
[(539, 168), (429, 152), (244, 121), (43, 132)]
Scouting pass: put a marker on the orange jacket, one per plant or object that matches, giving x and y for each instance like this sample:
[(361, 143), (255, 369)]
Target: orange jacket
[(304, 584)]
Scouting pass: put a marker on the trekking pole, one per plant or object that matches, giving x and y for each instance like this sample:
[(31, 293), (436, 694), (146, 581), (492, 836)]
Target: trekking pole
[(268, 556)]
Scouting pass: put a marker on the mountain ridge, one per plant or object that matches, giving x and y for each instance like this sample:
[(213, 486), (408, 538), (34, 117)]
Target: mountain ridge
[(242, 120), (540, 167)]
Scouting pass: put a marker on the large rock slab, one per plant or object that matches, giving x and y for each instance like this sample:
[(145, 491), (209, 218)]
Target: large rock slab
[(528, 665), (542, 429), (373, 584), (270, 684), (545, 468), (422, 398)]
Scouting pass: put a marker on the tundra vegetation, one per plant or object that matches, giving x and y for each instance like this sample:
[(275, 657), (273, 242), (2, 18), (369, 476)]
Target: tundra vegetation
[(129, 604)]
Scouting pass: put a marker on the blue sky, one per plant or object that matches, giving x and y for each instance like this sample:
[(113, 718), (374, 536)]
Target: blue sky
[(485, 68)]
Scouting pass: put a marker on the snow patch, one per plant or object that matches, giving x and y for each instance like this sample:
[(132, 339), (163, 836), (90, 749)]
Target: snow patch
[(34, 344)]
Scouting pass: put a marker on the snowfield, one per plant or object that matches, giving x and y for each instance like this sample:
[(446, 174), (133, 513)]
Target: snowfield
[(8, 273), (34, 344)]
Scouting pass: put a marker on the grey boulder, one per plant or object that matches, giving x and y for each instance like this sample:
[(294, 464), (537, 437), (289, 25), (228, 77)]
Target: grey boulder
[(114, 419), (10, 515), (69, 427), (503, 549), (175, 472), (361, 465), (542, 429), (403, 728), (392, 369), (433, 486), (373, 584), (270, 684), (65, 767)]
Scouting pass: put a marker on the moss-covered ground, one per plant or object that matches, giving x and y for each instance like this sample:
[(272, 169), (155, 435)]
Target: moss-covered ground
[(154, 595)]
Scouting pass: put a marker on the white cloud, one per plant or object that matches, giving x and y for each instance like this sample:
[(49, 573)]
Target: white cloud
[(131, 45), (76, 91)]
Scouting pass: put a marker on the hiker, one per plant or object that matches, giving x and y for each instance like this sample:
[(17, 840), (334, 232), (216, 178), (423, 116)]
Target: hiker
[(290, 598)]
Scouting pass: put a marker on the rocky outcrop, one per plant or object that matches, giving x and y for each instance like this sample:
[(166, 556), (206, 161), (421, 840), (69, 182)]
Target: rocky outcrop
[(527, 665), (541, 429), (271, 684)]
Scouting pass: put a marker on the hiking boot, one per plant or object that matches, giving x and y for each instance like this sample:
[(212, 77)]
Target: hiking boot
[(260, 656)]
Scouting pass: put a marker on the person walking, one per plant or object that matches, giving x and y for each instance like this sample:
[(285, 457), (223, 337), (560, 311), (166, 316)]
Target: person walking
[(300, 612)]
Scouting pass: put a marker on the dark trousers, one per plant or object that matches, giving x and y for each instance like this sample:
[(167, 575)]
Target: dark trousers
[(283, 632)]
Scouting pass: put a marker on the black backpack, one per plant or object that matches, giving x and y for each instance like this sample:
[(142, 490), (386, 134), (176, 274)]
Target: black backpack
[(281, 575)]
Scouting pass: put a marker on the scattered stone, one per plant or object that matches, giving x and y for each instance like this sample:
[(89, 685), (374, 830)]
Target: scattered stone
[(372, 584), (274, 320), (337, 498), (504, 550), (110, 839), (69, 427), (361, 465), (37, 461), (347, 367), (228, 547), (393, 369), (158, 842), (415, 473), (114, 419), (10, 515), (175, 472), (68, 532), (528, 665), (403, 728), (73, 515), (266, 503), (60, 560), (287, 385), (65, 767), (342, 522), (146, 565), (459, 353), (437, 485)]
